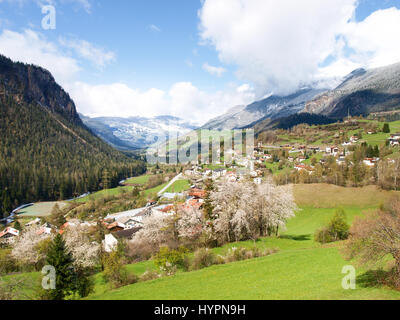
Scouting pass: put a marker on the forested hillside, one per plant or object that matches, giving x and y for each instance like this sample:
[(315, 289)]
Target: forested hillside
[(46, 153)]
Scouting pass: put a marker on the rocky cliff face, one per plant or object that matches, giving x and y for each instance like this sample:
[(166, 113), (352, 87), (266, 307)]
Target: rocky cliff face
[(33, 84)]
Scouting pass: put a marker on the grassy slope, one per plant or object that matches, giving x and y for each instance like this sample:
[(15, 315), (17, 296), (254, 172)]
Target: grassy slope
[(40, 209), (301, 270), (102, 193), (141, 180), (179, 186)]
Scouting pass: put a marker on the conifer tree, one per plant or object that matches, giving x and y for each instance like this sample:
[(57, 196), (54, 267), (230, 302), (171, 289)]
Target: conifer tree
[(386, 128), (61, 259)]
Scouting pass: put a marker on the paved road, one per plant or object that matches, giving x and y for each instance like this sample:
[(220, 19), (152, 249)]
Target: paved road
[(170, 184)]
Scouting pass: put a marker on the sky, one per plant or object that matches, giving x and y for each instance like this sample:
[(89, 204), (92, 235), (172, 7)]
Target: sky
[(195, 59)]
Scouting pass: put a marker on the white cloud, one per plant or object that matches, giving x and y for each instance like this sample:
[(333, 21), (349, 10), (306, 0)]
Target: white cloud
[(154, 28), (376, 39), (31, 47), (183, 100), (215, 71), (282, 45), (84, 49)]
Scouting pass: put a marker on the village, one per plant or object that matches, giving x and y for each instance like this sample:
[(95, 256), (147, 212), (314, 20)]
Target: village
[(124, 225)]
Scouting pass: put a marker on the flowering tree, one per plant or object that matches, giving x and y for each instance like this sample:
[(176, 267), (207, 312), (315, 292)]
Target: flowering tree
[(155, 230), (191, 224), (247, 211), (26, 248), (273, 207), (84, 251)]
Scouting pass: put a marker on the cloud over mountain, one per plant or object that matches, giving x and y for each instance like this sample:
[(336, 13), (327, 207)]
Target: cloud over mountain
[(280, 46)]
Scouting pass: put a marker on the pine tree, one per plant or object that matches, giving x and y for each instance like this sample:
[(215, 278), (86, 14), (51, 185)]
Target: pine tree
[(61, 259), (386, 128)]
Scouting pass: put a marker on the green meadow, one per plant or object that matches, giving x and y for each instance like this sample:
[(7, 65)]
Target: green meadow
[(302, 269)]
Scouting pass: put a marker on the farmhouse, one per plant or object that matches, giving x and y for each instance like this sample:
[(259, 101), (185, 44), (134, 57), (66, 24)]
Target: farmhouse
[(332, 150), (394, 139), (370, 162), (8, 234), (130, 223), (354, 139), (116, 226), (197, 193)]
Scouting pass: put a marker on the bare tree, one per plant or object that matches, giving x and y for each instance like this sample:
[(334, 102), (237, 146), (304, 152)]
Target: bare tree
[(375, 236)]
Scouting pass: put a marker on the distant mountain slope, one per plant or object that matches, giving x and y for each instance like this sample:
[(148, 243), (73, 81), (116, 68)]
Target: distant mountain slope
[(291, 121), (46, 152), (362, 92), (136, 132), (272, 107)]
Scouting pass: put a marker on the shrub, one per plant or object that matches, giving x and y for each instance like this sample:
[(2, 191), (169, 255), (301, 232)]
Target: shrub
[(149, 275), (239, 254), (337, 229), (376, 237), (203, 258), (115, 272), (7, 262), (169, 260), (323, 236), (236, 254)]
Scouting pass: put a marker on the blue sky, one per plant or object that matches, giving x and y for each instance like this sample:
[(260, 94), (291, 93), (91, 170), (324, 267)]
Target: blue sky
[(193, 58), (156, 42)]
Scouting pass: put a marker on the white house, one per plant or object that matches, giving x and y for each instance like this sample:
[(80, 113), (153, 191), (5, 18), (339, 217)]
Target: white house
[(370, 162), (109, 243), (332, 150), (130, 223), (354, 139)]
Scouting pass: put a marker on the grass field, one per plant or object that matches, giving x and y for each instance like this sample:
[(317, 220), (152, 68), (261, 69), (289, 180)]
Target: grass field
[(179, 186), (302, 269), (102, 193), (155, 190), (141, 180), (40, 209)]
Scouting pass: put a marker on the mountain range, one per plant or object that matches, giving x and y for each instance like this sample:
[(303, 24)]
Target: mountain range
[(136, 132), (360, 93)]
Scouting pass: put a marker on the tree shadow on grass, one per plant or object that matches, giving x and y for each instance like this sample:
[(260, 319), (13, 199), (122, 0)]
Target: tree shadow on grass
[(373, 279), (303, 237)]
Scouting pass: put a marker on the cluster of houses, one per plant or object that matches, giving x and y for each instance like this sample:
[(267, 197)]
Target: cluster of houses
[(9, 234), (394, 139), (126, 224), (339, 153)]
